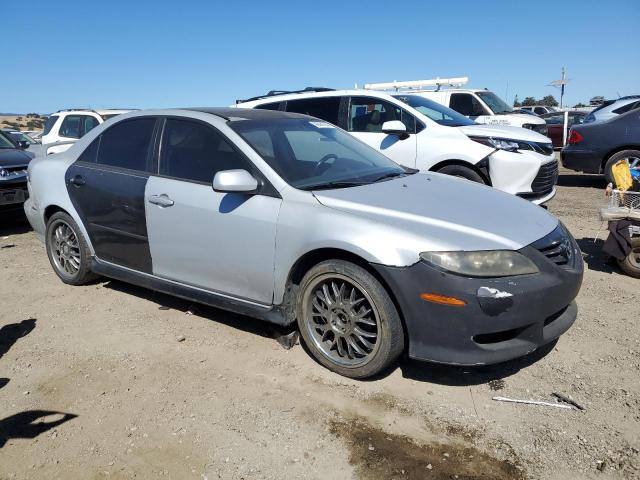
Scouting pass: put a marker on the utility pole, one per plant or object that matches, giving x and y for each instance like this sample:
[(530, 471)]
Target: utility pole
[(560, 84)]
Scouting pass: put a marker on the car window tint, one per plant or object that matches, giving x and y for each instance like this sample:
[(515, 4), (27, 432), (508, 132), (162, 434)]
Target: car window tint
[(261, 141), (195, 151), (466, 104), (126, 144), (325, 108), (51, 121), (71, 126), (89, 123), (555, 119), (368, 114), (91, 152), (627, 108)]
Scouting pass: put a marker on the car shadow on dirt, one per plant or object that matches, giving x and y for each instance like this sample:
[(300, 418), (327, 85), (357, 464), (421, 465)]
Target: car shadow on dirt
[(581, 180), (168, 302), (13, 223)]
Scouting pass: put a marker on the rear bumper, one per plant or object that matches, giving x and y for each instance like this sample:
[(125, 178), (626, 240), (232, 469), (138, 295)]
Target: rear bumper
[(34, 218), (530, 311), (586, 161)]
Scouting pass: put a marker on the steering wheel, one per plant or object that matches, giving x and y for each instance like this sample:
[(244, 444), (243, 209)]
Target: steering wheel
[(323, 161)]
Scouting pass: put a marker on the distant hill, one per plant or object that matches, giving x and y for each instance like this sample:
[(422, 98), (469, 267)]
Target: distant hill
[(30, 121)]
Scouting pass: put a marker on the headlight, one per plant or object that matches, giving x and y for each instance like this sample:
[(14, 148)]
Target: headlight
[(498, 143), (490, 263)]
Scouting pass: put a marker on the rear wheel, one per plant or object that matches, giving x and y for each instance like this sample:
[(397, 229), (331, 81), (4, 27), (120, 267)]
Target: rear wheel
[(67, 250), (462, 172), (632, 156), (631, 264), (347, 319)]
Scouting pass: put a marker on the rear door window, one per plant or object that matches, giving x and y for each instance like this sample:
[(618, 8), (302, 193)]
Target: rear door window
[(128, 145), (71, 126), (326, 108), (368, 114), (195, 151), (89, 123)]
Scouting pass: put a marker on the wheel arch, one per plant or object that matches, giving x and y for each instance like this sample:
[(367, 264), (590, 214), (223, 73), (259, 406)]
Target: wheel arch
[(462, 163), (313, 257), (611, 153), (50, 210)]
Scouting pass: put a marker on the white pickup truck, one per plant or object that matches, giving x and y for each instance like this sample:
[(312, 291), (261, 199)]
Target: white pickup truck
[(481, 105), (63, 128)]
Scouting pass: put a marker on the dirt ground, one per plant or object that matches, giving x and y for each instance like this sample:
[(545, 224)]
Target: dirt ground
[(110, 381)]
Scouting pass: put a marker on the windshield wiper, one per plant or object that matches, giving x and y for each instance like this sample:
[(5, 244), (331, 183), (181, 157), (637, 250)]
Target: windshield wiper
[(336, 184), (389, 175)]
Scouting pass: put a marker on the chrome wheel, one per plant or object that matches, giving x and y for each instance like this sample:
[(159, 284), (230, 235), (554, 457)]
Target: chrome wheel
[(342, 320), (634, 162), (65, 248)]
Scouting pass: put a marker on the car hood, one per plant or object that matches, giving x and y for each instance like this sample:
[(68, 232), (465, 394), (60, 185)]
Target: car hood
[(14, 157), (447, 213), (513, 133)]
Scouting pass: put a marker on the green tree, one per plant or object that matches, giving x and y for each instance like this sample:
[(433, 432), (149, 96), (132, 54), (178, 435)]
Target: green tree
[(549, 101), (516, 103), (528, 101), (580, 105)]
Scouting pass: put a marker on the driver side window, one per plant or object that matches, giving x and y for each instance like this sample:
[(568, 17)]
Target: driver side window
[(368, 115), (466, 104)]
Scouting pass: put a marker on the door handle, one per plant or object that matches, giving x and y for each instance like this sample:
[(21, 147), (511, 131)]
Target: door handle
[(78, 180), (161, 200)]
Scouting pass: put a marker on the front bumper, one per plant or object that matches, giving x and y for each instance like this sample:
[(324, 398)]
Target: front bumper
[(524, 173), (488, 329), (586, 161)]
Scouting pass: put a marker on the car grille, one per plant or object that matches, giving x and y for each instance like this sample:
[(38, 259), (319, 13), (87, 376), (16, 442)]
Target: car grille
[(546, 178), (556, 247), (10, 172)]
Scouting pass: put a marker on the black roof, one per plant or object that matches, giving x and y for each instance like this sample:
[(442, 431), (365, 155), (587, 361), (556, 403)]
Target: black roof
[(230, 113)]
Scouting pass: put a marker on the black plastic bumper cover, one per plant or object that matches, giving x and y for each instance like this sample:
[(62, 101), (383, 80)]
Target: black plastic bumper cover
[(486, 330)]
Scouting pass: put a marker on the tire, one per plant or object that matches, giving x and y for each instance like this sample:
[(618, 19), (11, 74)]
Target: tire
[(462, 172), (331, 310), (613, 159), (67, 250), (631, 264)]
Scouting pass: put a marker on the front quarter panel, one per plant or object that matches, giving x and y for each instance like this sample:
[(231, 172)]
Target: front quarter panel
[(305, 225)]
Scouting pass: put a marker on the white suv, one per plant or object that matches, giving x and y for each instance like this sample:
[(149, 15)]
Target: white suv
[(63, 128), (419, 133)]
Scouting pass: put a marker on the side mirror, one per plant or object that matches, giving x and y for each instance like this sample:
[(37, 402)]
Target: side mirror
[(23, 144), (234, 181), (395, 127)]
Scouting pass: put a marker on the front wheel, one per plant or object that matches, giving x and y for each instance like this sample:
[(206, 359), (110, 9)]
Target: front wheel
[(347, 320), (67, 250), (631, 264), (462, 172)]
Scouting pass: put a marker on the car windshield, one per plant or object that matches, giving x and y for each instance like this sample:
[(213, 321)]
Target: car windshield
[(311, 154), (435, 111), (494, 102), (5, 142)]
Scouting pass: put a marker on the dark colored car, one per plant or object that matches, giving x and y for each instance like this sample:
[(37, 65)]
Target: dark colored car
[(596, 147), (13, 173), (555, 122)]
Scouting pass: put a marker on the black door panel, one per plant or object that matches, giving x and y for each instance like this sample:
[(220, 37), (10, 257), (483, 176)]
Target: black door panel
[(111, 206)]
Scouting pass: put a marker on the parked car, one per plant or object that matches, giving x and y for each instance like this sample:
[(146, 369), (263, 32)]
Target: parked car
[(419, 133), (596, 147), (481, 105), (555, 125), (13, 173), (290, 219), (538, 109), (611, 108), (63, 128)]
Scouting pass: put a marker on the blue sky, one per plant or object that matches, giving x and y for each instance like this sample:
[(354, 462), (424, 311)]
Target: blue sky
[(146, 54)]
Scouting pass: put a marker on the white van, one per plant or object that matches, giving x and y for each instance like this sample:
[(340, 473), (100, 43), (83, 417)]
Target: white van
[(420, 133), (481, 105)]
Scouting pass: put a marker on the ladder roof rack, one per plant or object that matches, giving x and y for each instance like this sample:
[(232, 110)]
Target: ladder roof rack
[(419, 84)]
